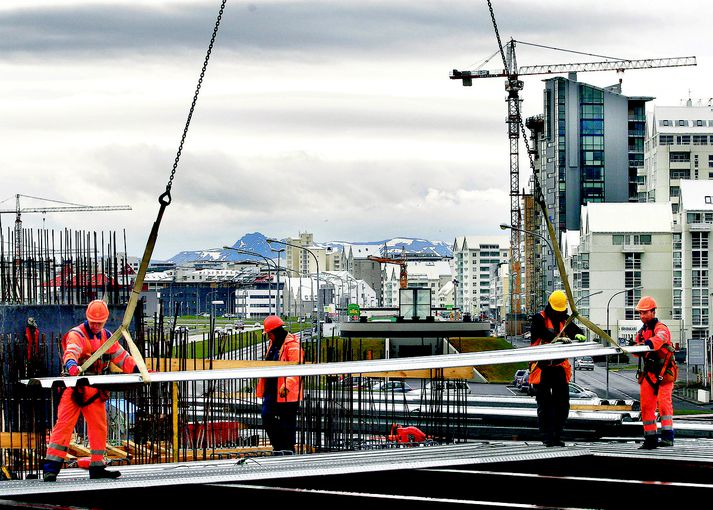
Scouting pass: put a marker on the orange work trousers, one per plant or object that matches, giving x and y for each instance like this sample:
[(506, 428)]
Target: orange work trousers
[(67, 416), (650, 401)]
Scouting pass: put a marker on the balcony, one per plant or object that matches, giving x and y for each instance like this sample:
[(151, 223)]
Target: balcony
[(699, 227), (633, 248)]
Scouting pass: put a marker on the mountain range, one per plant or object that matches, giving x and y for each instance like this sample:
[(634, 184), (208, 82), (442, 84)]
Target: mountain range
[(257, 243)]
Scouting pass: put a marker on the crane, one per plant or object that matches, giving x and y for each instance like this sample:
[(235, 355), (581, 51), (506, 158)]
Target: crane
[(513, 85), (403, 276), (67, 207)]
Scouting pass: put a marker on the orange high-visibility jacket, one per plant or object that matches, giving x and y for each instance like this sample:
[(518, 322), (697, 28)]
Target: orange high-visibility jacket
[(535, 370), (290, 351), (80, 343), (661, 358)]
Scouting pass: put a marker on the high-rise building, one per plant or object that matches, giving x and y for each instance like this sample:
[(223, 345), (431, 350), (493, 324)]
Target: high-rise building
[(593, 145), (679, 146), (473, 257), (590, 147)]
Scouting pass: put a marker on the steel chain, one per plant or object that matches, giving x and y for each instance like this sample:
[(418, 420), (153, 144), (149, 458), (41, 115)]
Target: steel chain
[(167, 194)]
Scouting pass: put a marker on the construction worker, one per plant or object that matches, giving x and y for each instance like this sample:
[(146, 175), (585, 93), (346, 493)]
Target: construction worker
[(550, 378), (78, 345), (657, 373), (281, 396)]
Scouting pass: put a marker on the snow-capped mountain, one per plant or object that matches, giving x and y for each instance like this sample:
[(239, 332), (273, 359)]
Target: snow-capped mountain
[(257, 242)]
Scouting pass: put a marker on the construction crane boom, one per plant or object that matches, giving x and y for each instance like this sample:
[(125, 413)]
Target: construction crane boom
[(68, 207), (403, 276), (605, 65)]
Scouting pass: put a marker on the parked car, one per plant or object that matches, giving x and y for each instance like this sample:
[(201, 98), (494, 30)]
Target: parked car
[(239, 325), (357, 382), (576, 391), (448, 389), (392, 387), (584, 363), (517, 378)]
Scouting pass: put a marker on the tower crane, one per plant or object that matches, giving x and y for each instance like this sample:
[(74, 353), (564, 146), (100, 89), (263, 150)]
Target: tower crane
[(513, 85), (403, 276), (66, 207)]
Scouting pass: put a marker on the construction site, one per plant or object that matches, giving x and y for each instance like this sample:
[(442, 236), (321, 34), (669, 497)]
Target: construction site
[(375, 424)]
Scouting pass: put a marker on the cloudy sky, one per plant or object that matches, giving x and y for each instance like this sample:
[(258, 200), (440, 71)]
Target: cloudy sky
[(334, 117)]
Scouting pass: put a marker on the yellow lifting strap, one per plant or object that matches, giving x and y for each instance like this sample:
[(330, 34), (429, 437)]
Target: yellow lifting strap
[(123, 330), (568, 290)]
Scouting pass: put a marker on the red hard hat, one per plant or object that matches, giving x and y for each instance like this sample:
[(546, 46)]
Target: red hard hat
[(645, 304), (272, 322), (97, 311)]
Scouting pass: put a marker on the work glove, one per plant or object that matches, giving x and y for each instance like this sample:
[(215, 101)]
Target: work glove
[(562, 340), (283, 392), (72, 368), (580, 338)]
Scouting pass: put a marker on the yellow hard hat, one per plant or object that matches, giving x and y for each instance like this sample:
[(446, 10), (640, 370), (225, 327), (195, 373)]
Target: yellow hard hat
[(558, 301)]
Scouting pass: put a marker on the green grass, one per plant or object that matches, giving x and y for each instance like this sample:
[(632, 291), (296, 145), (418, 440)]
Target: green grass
[(681, 412), (493, 373)]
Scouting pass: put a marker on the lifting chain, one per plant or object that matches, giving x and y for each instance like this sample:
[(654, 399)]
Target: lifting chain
[(164, 199)]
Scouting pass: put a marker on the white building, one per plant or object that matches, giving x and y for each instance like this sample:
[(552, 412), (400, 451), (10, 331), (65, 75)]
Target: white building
[(430, 274), (473, 257), (691, 260), (679, 146), (623, 246)]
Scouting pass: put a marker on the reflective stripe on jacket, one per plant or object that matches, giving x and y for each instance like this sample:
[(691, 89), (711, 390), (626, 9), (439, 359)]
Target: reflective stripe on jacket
[(290, 351), (535, 370), (80, 343)]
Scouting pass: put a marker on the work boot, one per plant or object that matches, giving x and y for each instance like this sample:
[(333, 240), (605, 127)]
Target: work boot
[(97, 472), (650, 443), (50, 470), (666, 438)]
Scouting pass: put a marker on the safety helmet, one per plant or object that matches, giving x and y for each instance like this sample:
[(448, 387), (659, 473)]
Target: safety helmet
[(97, 311), (558, 301), (645, 304), (272, 322)]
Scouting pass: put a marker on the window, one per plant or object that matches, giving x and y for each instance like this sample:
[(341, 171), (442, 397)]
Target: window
[(682, 123), (679, 157), (665, 139), (708, 199), (699, 123), (674, 191), (700, 139), (632, 261), (683, 140), (617, 239), (665, 123), (710, 159)]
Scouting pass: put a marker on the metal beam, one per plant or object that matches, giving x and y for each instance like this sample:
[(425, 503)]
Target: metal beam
[(540, 352)]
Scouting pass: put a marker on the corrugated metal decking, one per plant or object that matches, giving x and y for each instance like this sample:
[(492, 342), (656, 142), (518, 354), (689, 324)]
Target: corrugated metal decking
[(266, 468)]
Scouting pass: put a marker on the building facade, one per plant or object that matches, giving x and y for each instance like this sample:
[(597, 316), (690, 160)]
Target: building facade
[(679, 146), (473, 257), (624, 252)]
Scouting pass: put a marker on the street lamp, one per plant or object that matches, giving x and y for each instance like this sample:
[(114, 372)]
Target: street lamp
[(609, 331), (269, 274), (576, 301), (505, 226), (319, 296), (277, 297)]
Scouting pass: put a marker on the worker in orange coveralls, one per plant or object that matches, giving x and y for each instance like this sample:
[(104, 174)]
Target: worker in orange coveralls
[(656, 376), (78, 345), (281, 396)]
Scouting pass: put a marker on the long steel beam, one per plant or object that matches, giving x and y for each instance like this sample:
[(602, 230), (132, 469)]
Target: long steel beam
[(541, 352)]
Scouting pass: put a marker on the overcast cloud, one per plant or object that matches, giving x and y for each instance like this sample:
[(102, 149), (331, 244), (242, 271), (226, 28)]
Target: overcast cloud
[(336, 118)]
